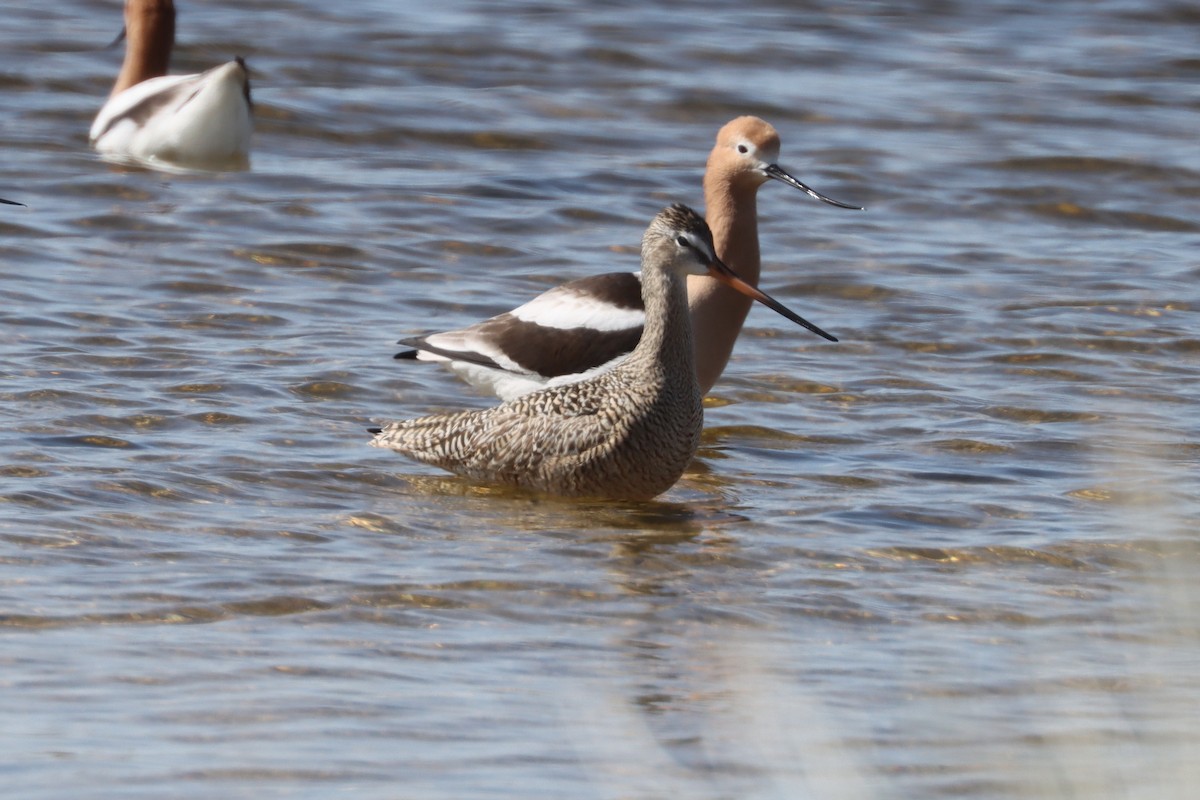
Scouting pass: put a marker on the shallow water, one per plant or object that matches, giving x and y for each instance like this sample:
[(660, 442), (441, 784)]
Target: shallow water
[(950, 556)]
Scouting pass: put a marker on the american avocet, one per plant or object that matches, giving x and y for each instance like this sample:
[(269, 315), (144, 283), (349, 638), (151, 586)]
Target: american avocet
[(194, 121), (579, 328), (626, 433)]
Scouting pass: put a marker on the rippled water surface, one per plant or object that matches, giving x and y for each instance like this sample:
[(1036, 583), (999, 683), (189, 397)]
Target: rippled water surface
[(953, 555)]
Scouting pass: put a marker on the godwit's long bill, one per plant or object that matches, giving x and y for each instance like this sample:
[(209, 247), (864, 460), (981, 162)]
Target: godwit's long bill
[(626, 433), (201, 121), (580, 328)]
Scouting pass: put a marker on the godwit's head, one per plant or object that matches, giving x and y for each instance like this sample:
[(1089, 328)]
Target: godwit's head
[(678, 238)]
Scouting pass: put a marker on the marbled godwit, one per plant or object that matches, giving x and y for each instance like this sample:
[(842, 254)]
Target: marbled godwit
[(195, 121), (626, 433), (575, 330)]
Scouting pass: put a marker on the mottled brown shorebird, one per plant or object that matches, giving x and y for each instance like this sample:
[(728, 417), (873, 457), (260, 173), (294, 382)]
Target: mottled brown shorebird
[(627, 433), (569, 332)]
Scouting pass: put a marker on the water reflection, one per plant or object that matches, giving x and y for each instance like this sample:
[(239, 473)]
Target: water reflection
[(949, 556)]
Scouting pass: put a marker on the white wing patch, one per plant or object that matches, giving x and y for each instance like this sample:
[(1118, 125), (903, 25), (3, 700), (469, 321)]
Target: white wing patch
[(565, 307), (126, 100)]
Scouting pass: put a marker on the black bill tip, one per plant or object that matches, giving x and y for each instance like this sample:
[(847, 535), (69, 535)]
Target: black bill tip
[(780, 174)]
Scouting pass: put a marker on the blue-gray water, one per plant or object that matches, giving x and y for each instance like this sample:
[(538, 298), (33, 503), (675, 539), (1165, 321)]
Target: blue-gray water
[(952, 556)]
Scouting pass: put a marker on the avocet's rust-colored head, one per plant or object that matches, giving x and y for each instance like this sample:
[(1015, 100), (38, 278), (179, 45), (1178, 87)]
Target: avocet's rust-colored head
[(745, 156)]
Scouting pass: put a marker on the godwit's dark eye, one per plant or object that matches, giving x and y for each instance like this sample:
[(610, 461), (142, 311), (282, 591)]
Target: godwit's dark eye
[(743, 149), (682, 241)]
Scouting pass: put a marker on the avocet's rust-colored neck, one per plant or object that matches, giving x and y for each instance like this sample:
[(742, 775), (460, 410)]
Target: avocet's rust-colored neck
[(149, 36), (731, 184)]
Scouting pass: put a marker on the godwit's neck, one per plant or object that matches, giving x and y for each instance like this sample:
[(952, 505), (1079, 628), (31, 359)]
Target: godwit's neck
[(149, 35), (718, 311), (667, 335)]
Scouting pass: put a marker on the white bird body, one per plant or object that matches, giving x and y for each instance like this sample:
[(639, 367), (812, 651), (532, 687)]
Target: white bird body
[(200, 121)]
